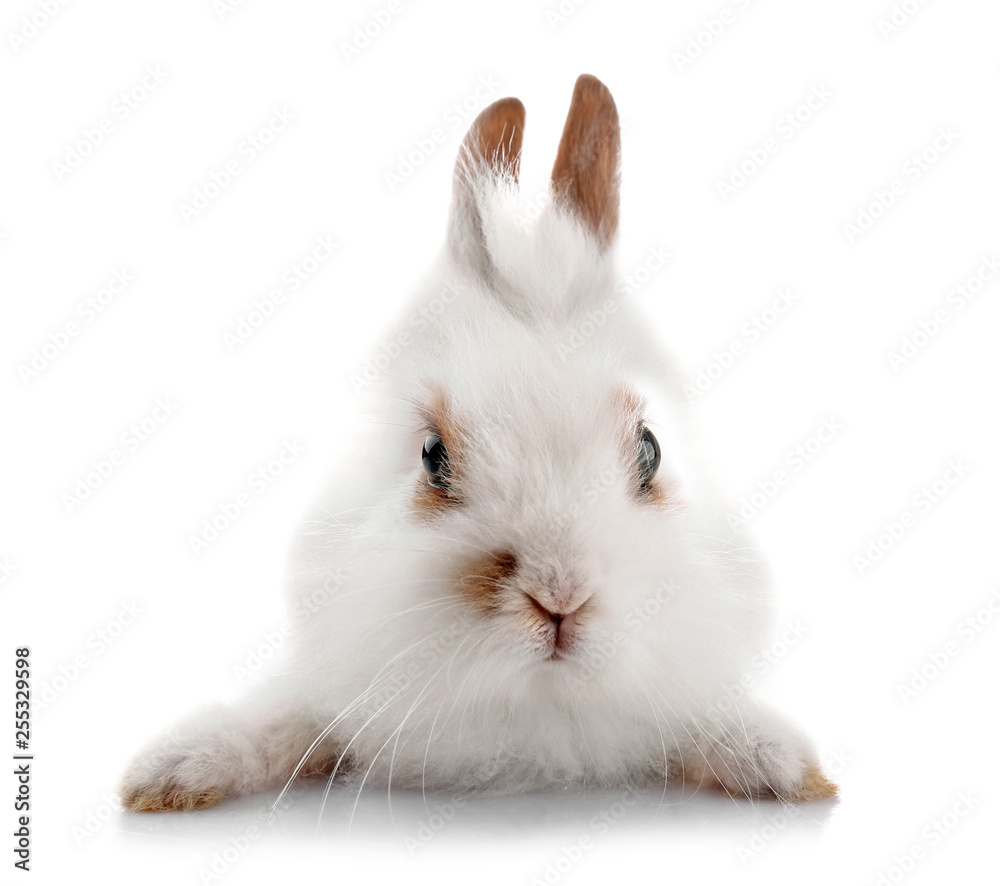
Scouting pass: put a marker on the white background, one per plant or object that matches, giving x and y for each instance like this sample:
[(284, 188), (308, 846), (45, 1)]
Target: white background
[(69, 571)]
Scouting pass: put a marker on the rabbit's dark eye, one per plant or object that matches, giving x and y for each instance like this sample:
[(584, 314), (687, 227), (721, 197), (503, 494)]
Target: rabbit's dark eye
[(649, 457), (435, 459)]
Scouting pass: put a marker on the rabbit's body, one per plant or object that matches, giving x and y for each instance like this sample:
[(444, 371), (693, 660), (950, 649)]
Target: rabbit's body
[(539, 604)]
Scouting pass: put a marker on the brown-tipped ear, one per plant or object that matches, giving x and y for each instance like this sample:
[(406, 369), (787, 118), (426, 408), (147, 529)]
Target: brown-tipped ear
[(493, 142), (586, 173), (492, 146)]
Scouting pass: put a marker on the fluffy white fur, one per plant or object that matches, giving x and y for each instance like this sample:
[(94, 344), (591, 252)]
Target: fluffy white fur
[(397, 678)]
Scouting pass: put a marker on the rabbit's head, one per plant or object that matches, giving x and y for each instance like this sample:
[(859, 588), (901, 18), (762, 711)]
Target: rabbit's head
[(547, 515)]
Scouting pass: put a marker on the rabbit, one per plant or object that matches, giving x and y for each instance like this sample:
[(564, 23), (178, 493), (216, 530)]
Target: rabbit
[(525, 578)]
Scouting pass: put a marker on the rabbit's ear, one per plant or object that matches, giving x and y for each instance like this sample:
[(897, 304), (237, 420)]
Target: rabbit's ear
[(586, 173), (491, 151)]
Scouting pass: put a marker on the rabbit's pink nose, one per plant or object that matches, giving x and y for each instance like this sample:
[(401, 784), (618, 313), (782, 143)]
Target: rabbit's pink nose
[(566, 622)]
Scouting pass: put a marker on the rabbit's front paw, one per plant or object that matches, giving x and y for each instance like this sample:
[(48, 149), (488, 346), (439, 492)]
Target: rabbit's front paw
[(759, 755), (169, 799), (179, 780)]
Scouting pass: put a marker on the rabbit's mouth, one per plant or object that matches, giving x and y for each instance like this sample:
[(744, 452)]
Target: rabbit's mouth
[(560, 646), (561, 630)]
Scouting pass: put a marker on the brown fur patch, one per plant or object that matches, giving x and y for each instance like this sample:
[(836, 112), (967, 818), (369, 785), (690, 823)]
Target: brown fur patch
[(630, 405), (430, 501), (586, 172), (322, 763), (815, 786), (484, 578), (631, 409), (439, 419), (171, 800), (661, 493)]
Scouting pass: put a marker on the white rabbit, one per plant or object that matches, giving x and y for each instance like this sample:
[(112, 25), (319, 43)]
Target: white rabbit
[(535, 584)]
